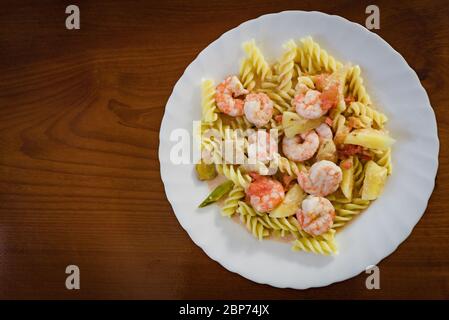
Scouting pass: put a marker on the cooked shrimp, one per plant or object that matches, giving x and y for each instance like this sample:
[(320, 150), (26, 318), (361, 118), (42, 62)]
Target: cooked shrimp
[(316, 215), (312, 104), (301, 88), (321, 81), (324, 132), (301, 147), (308, 104), (258, 109), (264, 193), (261, 146), (225, 96), (330, 95), (323, 178)]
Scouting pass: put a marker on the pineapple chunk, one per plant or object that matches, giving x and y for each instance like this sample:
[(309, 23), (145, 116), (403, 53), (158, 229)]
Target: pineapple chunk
[(294, 124), (291, 203), (369, 138), (373, 184), (327, 151), (347, 183)]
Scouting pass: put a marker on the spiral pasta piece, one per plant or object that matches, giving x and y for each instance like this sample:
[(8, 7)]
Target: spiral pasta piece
[(361, 121), (208, 144), (209, 109), (257, 59), (304, 60), (361, 110), (338, 197), (231, 202), (324, 244), (339, 125), (274, 72), (359, 174), (299, 57), (340, 221), (205, 126), (345, 212), (355, 206), (254, 226), (286, 68), (279, 102), (223, 131), (297, 72), (289, 167), (269, 84), (218, 127), (234, 174), (306, 81), (383, 159), (247, 75), (247, 210), (339, 108), (272, 81), (286, 95), (276, 126), (354, 86), (283, 226), (316, 58), (286, 224), (241, 123)]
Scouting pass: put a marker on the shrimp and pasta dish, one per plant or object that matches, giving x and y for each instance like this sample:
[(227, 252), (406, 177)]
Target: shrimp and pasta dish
[(293, 149)]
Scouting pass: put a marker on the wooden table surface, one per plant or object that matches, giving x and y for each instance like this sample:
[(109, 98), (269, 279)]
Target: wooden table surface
[(80, 112)]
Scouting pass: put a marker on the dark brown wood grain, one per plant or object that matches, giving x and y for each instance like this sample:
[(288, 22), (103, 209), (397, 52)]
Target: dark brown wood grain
[(80, 113)]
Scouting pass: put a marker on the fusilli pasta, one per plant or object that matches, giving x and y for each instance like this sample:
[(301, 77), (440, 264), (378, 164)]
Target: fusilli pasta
[(279, 102), (247, 76), (323, 116), (247, 210), (208, 101), (234, 174), (257, 59), (354, 86), (324, 244), (288, 166), (346, 211), (286, 67), (315, 59), (383, 159), (254, 226), (231, 203), (359, 175), (363, 111)]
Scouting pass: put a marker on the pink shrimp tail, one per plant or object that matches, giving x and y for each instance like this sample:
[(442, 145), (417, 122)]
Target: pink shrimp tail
[(239, 103), (254, 175), (304, 181), (329, 97), (300, 217)]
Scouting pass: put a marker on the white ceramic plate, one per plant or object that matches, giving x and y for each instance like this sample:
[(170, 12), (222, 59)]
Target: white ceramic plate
[(375, 234)]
